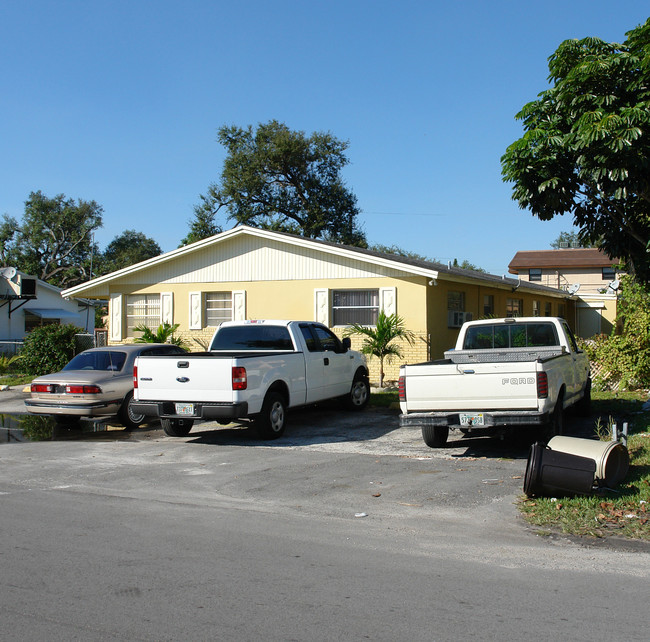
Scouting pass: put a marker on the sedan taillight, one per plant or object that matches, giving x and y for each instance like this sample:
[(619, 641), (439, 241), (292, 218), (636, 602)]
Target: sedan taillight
[(41, 387), (82, 390)]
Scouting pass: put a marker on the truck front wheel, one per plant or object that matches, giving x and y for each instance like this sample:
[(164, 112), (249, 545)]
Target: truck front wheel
[(177, 427), (435, 436), (270, 422), (359, 395)]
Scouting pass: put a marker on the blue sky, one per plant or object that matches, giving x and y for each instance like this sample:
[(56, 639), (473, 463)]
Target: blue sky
[(120, 102)]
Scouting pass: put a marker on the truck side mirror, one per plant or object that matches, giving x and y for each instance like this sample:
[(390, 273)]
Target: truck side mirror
[(346, 342)]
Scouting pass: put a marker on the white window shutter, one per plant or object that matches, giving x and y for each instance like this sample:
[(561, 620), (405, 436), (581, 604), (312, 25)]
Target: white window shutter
[(196, 313), (116, 317), (322, 306), (388, 300), (167, 307), (239, 305)]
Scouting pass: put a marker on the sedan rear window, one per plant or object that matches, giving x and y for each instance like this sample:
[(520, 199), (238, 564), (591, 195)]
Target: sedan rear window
[(109, 360)]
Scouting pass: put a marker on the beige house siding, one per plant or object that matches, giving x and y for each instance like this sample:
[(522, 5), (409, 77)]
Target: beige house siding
[(591, 281)]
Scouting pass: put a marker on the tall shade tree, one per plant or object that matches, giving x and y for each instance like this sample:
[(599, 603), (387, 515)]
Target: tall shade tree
[(203, 225), (571, 239), (126, 249), (283, 180), (586, 146), (54, 241)]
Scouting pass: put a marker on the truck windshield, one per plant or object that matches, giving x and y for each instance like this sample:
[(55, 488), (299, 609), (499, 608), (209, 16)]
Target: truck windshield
[(252, 337), (510, 335)]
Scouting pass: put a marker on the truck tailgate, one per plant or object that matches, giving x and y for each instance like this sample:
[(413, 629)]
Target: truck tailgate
[(476, 386), (185, 378)]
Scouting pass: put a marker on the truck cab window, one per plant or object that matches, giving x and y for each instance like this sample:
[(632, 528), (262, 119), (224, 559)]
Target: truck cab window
[(327, 340)]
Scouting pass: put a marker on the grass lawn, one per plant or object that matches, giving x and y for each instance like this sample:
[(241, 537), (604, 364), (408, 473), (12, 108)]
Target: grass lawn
[(624, 511)]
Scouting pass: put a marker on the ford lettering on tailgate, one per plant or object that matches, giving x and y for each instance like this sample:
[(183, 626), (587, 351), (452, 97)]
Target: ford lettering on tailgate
[(517, 381)]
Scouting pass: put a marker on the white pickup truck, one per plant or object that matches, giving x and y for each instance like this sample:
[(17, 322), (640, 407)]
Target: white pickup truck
[(503, 373), (253, 370)]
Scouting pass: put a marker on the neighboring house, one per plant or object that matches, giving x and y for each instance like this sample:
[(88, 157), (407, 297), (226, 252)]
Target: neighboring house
[(588, 272), (248, 273), (27, 302)]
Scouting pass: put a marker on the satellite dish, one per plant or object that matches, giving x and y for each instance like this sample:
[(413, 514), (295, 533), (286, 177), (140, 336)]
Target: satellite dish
[(614, 285), (574, 288), (8, 273)]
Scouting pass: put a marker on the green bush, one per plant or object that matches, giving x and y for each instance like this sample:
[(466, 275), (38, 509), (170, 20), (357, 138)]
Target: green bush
[(624, 357), (48, 348)]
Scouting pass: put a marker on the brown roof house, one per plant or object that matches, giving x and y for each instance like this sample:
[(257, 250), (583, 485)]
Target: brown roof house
[(588, 273)]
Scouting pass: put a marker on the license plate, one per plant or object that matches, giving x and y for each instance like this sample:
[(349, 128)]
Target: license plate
[(471, 420), (184, 408)]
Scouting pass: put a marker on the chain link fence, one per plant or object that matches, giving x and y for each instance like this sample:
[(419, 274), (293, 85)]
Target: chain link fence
[(83, 341)]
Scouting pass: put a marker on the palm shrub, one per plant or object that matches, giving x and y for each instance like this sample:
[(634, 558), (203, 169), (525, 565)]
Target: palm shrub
[(48, 348), (381, 340), (7, 361), (163, 334)]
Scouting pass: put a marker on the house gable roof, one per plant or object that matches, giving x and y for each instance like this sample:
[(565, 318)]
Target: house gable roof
[(240, 243)]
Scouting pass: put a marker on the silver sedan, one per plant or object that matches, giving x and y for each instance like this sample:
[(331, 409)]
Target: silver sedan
[(97, 382)]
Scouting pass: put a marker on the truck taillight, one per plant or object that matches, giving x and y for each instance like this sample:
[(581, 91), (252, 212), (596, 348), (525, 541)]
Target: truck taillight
[(402, 388), (542, 385), (239, 380), (135, 377)]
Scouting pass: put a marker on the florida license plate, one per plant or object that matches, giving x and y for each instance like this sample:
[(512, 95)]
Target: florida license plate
[(471, 420), (184, 408)]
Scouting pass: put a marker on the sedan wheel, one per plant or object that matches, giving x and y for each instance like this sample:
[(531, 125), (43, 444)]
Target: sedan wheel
[(129, 419)]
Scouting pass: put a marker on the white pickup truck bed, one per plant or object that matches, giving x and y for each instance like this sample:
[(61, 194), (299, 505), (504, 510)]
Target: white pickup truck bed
[(480, 386)]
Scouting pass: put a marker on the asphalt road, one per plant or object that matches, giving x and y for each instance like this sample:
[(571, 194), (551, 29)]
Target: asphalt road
[(347, 528)]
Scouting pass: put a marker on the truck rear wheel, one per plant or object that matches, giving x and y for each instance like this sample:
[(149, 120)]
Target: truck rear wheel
[(583, 407), (177, 427), (555, 426), (435, 436), (270, 422), (557, 420)]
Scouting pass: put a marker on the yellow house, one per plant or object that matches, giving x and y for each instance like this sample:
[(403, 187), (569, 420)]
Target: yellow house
[(249, 273)]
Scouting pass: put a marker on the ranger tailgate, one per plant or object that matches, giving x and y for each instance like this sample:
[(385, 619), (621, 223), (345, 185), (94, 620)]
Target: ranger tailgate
[(472, 386)]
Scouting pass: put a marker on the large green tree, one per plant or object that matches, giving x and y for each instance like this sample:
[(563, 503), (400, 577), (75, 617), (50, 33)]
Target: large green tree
[(126, 249), (586, 146), (203, 225), (571, 239), (54, 240), (279, 179)]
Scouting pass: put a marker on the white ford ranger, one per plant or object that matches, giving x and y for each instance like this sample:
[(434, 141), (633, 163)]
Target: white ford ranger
[(253, 369), (503, 372)]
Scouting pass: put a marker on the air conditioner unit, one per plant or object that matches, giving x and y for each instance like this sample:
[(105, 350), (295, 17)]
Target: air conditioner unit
[(564, 244), (27, 287), (455, 319)]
